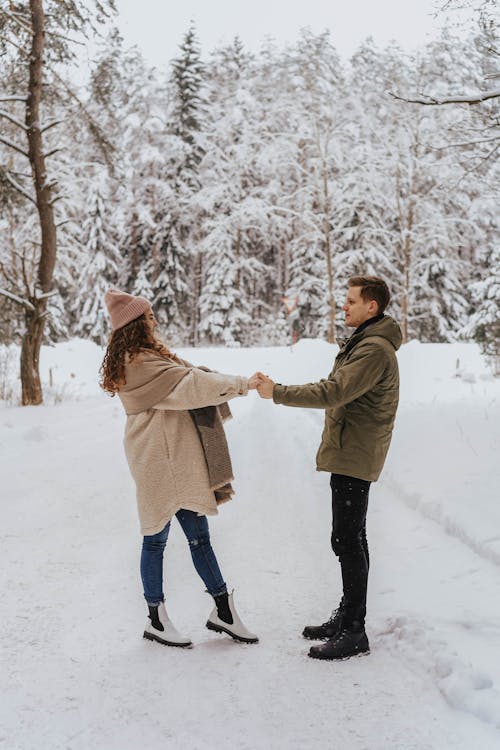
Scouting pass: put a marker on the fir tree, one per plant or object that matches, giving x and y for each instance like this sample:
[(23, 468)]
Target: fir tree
[(223, 313), (484, 324), (189, 104), (169, 287), (99, 264)]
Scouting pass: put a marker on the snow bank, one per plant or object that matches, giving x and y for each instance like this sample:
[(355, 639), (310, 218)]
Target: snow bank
[(430, 373), (69, 371), (464, 686)]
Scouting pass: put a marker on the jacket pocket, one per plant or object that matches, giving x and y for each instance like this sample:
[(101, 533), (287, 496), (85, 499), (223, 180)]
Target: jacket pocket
[(335, 430)]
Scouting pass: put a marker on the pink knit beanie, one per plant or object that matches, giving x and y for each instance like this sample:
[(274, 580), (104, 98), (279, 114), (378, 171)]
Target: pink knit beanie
[(123, 307)]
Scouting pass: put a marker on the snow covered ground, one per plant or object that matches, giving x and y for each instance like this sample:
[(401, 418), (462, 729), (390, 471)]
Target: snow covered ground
[(75, 672)]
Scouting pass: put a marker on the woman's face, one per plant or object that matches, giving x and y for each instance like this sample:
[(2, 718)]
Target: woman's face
[(151, 321)]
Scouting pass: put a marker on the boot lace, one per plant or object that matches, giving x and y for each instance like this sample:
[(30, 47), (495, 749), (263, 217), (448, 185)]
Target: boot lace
[(331, 619)]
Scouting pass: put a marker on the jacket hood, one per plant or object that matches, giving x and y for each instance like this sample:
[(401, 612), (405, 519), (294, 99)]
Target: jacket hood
[(387, 328)]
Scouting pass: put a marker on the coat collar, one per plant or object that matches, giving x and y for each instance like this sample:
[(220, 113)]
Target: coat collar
[(350, 341), (384, 326)]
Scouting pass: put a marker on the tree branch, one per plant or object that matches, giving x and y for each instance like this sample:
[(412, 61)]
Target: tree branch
[(66, 38), (20, 301), (476, 166), (51, 153), (106, 148), (15, 173), (22, 24), (8, 142), (12, 119), (435, 101), (466, 143), (25, 275), (19, 188), (49, 184), (13, 98), (51, 124), (17, 46), (47, 295), (18, 14), (6, 275)]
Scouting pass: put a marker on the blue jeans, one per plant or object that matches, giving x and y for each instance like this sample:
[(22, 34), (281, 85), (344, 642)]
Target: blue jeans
[(195, 528)]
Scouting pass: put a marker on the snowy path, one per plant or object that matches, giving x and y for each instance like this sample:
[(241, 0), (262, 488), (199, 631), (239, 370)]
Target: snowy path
[(75, 673)]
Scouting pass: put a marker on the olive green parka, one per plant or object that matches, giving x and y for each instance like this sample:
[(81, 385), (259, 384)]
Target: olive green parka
[(360, 397)]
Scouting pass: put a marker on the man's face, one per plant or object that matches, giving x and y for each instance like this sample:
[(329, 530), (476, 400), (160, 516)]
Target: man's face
[(356, 309)]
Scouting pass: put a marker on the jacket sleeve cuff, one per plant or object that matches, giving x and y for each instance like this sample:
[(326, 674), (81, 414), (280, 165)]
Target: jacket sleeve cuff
[(243, 386), (278, 392)]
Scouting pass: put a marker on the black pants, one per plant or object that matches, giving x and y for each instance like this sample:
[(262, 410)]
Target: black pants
[(349, 506)]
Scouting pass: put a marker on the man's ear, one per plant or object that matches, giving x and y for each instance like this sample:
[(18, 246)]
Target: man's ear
[(373, 308)]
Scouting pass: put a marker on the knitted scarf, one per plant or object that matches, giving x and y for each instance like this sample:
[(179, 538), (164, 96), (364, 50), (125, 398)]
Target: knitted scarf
[(209, 425)]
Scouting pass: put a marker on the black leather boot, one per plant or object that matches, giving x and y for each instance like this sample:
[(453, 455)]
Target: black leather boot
[(328, 629), (350, 641)]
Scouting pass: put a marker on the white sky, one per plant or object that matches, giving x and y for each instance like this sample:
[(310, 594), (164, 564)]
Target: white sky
[(157, 26)]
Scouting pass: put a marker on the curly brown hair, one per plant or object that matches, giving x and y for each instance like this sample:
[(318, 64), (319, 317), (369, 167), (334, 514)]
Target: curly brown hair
[(130, 339)]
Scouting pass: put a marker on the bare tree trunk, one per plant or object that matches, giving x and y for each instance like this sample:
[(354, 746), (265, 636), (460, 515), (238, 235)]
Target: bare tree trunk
[(328, 253), (195, 307), (35, 320), (237, 252), (407, 255), (283, 279), (30, 354), (133, 248), (406, 217)]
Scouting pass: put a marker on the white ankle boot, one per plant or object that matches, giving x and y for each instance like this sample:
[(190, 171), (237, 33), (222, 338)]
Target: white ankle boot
[(160, 628), (236, 629)]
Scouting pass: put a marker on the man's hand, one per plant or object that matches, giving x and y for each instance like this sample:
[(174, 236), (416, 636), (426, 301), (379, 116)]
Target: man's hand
[(255, 380), (266, 386)]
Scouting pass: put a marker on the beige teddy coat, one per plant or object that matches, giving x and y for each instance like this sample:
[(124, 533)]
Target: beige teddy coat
[(163, 449)]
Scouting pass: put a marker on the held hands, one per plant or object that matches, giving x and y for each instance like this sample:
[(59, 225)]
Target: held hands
[(262, 383), (254, 381)]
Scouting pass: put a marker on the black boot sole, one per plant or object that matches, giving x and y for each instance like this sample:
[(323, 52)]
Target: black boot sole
[(220, 629), (151, 637), (318, 637), (338, 658)]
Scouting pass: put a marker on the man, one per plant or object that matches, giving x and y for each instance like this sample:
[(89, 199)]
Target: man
[(360, 397)]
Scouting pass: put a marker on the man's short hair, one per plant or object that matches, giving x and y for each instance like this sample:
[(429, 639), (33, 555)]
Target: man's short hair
[(372, 287)]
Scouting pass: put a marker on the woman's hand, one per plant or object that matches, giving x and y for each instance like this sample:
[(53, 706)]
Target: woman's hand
[(255, 380)]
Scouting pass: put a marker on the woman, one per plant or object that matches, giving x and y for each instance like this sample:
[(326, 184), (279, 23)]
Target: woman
[(177, 454)]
